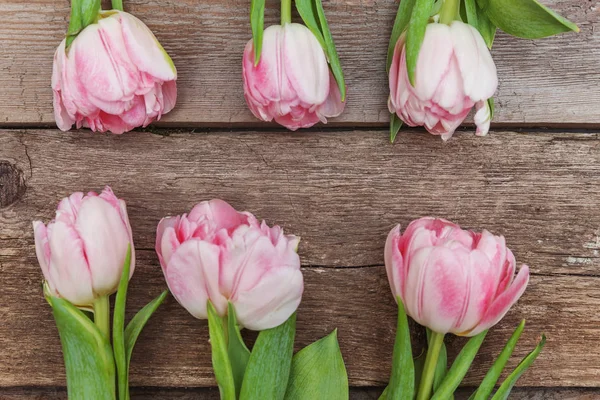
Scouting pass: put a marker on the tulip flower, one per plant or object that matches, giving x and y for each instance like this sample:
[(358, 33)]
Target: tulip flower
[(292, 83), (452, 280), (454, 72), (114, 76), (219, 254), (82, 251)]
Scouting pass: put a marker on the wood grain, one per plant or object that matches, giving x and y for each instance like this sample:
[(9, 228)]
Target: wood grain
[(550, 82), (342, 192), (355, 394)]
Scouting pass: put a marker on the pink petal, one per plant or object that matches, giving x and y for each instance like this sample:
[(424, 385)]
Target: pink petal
[(220, 213), (193, 277), (434, 60), (504, 302), (166, 239), (105, 239), (394, 263), (333, 105), (272, 301), (42, 247)]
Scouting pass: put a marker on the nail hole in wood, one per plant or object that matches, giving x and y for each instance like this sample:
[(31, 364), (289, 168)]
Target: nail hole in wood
[(12, 183)]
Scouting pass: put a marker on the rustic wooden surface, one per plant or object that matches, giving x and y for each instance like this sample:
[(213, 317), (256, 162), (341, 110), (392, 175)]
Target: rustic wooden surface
[(341, 191), (341, 187), (548, 82)]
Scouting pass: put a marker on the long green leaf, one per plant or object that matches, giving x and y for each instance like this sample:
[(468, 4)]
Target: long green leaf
[(220, 356), (332, 55), (400, 23), (395, 125), (236, 348), (88, 356), (318, 372), (268, 369), (137, 323), (504, 390), (527, 19), (471, 11), (419, 363), (119, 329), (309, 16), (257, 22), (415, 34), (459, 368), (487, 385), (402, 380), (486, 27)]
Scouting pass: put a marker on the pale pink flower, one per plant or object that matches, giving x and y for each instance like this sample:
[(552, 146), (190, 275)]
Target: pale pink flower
[(452, 280), (82, 251), (454, 72), (219, 254), (114, 77), (292, 83)]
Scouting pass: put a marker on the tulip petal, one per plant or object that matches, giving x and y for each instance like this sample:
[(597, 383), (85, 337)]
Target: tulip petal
[(477, 67), (106, 239), (42, 248), (271, 302), (504, 302), (434, 60), (193, 277), (145, 50), (68, 269), (219, 213), (166, 240), (394, 263)]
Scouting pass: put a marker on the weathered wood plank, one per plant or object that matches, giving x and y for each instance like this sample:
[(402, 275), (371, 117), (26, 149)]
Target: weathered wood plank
[(340, 191), (549, 82), (355, 394), (174, 349)]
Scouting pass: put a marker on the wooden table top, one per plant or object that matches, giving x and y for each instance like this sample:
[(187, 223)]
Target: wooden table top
[(341, 187)]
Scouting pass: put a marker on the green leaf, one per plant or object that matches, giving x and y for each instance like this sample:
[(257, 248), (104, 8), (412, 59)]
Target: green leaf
[(492, 107), (527, 19), (257, 22), (402, 380), (487, 385), (88, 356), (400, 23), (486, 28), (83, 13), (395, 125), (236, 348), (332, 55), (220, 356), (137, 323), (441, 368), (415, 34), (318, 372), (504, 390), (419, 363), (268, 369), (471, 12), (459, 368), (119, 328), (308, 13)]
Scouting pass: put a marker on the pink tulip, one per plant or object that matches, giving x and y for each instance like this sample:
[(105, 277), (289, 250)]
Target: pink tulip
[(292, 83), (452, 280), (114, 77), (454, 72), (82, 251), (216, 253)]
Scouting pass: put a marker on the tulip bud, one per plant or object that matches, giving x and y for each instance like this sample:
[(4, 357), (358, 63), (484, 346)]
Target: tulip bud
[(454, 72), (292, 83), (82, 251), (115, 76), (219, 254), (452, 280)]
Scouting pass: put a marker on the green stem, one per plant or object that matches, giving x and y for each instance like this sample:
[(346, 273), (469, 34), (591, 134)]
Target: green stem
[(450, 9), (433, 353), (102, 315), (117, 5), (286, 11)]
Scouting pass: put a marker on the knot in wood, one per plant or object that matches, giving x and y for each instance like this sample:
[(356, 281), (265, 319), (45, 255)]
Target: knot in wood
[(12, 183)]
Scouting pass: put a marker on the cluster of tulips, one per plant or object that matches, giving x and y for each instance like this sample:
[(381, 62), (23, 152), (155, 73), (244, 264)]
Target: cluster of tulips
[(229, 268), (111, 73)]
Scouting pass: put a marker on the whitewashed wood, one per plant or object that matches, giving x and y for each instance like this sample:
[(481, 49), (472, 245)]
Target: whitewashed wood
[(550, 82)]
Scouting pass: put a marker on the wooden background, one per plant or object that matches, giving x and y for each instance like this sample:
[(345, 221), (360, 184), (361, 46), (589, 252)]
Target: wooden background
[(341, 187)]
